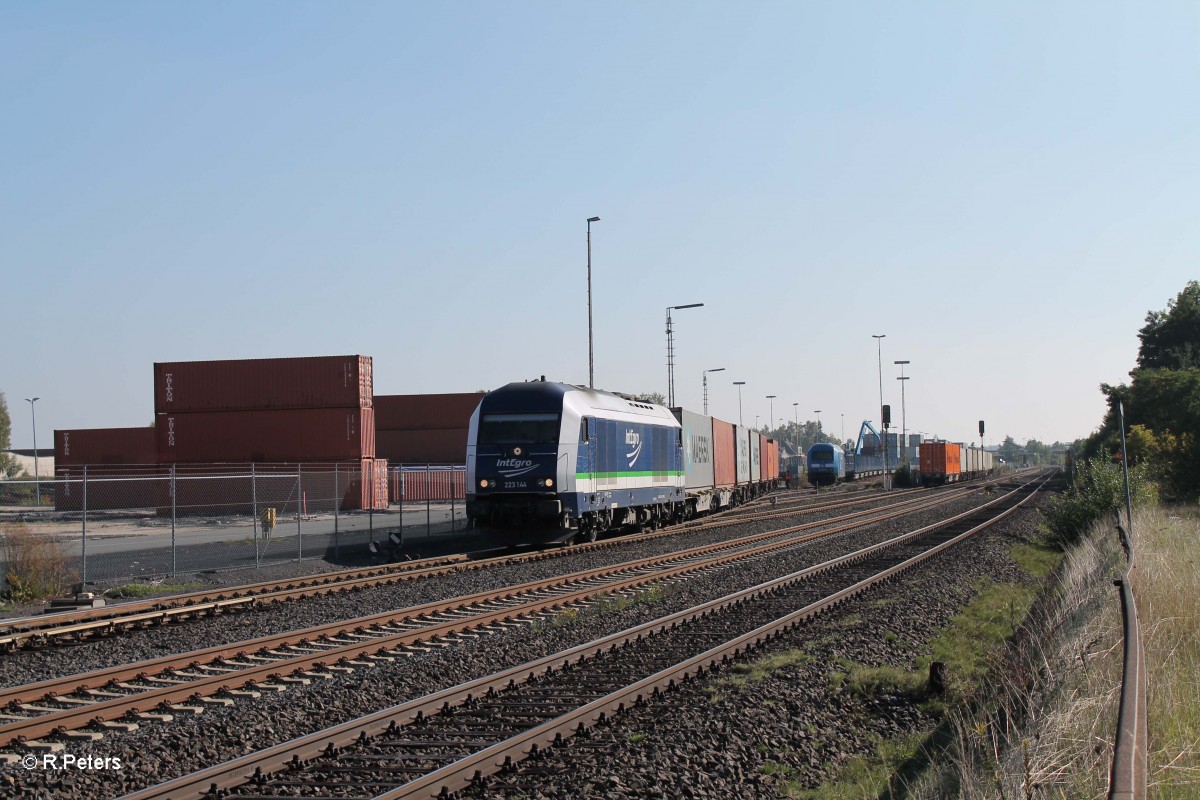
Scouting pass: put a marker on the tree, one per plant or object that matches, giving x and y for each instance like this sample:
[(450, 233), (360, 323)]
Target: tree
[(8, 465), (658, 398), (1163, 397), (1171, 338)]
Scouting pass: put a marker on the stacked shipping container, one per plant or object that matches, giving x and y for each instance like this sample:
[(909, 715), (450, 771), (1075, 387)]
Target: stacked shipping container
[(107, 452), (302, 410), (424, 428)]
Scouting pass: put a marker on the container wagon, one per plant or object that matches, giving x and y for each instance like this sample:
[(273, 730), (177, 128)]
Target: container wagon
[(941, 462)]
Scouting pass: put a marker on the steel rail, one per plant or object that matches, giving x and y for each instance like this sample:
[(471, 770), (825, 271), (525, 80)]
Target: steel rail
[(224, 776), (1129, 773), (169, 670), (108, 620), (14, 632)]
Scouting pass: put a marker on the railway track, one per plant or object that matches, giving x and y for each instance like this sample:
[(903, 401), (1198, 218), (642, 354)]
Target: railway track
[(185, 683), (76, 626), (453, 738)]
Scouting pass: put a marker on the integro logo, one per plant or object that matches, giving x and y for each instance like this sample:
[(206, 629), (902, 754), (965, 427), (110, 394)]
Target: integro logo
[(512, 467), (633, 439), (168, 388)]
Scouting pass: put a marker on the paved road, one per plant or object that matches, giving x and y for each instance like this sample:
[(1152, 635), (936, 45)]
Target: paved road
[(131, 548)]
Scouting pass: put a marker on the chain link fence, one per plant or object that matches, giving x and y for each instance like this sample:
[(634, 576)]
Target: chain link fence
[(103, 525)]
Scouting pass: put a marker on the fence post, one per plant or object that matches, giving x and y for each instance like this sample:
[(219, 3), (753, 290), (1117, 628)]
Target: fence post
[(254, 513), (371, 502), (400, 486), (428, 487), (173, 502), (453, 491), (337, 501), (299, 514), (83, 545)]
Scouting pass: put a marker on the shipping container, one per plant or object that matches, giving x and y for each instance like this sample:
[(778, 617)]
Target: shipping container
[(105, 446), (259, 384), (772, 460), (110, 487), (411, 412), (434, 446), (246, 489), (941, 462), (310, 434), (697, 449), (742, 454), (755, 456), (724, 459), (369, 487), (442, 484)]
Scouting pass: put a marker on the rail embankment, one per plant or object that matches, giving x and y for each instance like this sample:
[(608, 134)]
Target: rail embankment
[(1046, 725)]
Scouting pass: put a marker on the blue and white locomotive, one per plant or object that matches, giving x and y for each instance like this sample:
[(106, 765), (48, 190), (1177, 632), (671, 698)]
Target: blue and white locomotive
[(572, 462), (826, 464)]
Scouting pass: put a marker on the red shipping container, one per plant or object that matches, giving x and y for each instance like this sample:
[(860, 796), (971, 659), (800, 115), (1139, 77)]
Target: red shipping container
[(105, 446), (724, 456), (263, 383), (368, 486), (314, 434), (110, 488), (434, 446), (436, 484), (408, 412), (770, 470)]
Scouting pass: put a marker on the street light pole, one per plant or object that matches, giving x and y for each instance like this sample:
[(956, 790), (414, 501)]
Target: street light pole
[(771, 397), (879, 337), (796, 413), (739, 384), (903, 415), (718, 369), (671, 353), (591, 373), (37, 475)]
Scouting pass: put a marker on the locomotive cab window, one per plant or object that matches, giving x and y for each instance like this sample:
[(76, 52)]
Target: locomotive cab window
[(518, 429), (583, 430)]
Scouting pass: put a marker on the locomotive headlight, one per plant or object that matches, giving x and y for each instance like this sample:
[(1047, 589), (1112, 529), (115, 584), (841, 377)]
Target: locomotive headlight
[(549, 482), (483, 484)]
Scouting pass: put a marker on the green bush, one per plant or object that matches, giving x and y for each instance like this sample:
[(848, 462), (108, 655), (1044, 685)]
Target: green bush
[(904, 476), (1098, 488)]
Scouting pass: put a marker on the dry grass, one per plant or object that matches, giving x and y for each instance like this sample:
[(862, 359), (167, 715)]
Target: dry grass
[(1167, 590), (35, 564), (1047, 731), (1043, 728)]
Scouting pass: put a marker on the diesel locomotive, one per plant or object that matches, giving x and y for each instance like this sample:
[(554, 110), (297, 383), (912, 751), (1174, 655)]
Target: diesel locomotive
[(553, 462)]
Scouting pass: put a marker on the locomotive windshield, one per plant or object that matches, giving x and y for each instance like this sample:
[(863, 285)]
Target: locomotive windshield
[(518, 429), (821, 456)]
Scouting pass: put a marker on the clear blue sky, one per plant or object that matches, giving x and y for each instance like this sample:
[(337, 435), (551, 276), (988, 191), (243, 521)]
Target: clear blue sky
[(1003, 189)]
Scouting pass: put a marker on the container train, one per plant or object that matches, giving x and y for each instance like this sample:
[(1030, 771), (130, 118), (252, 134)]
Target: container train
[(939, 463), (554, 462), (948, 462)]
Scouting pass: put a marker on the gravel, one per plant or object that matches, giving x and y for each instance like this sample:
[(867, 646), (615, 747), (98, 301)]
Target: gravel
[(157, 752), (31, 666), (794, 729)]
